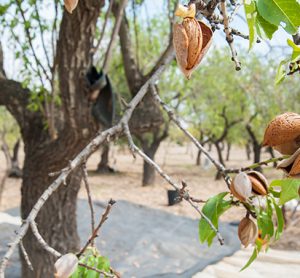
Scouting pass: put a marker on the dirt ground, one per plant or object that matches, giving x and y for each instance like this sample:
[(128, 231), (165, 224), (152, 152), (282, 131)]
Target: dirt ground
[(179, 163)]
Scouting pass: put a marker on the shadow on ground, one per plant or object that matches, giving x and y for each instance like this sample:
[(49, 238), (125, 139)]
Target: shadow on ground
[(142, 242)]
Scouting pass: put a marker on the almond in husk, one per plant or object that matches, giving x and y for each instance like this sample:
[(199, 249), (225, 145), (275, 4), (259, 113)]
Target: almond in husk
[(259, 183), (283, 133), (247, 231), (191, 40), (291, 165), (241, 187)]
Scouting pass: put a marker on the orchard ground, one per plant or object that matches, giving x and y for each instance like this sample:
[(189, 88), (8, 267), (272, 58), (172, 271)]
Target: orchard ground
[(179, 162)]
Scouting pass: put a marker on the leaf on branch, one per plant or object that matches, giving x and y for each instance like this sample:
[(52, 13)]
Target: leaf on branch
[(265, 29), (254, 255), (296, 50), (280, 219), (265, 224), (281, 72), (284, 13), (250, 11), (92, 258), (289, 189), (213, 209)]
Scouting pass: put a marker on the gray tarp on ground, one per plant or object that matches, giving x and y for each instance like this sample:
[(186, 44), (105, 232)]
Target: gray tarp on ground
[(143, 242)]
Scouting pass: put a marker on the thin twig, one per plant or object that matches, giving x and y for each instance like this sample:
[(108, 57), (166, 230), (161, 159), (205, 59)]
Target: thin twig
[(88, 191), (42, 34), (25, 255), (229, 37), (105, 274), (256, 165), (29, 38), (95, 49), (96, 230), (178, 122), (42, 242), (57, 254), (184, 193), (234, 12), (116, 29)]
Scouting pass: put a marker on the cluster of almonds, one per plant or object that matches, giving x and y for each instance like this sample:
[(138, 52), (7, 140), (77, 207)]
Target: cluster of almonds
[(243, 186), (191, 39), (283, 134)]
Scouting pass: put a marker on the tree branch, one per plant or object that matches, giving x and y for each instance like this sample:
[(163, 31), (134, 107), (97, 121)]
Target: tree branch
[(119, 17), (184, 194)]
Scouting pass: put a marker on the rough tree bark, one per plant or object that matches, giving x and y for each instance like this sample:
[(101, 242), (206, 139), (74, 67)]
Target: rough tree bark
[(57, 219)]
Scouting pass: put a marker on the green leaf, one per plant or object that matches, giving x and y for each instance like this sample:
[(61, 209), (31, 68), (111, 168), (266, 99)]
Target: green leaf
[(275, 193), (280, 220), (281, 72), (256, 250), (213, 209), (265, 29), (265, 224), (296, 50), (289, 189), (283, 13), (250, 11)]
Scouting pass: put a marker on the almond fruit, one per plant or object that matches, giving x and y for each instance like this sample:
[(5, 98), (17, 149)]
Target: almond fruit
[(241, 187), (259, 183), (291, 165), (283, 133), (191, 40), (247, 231)]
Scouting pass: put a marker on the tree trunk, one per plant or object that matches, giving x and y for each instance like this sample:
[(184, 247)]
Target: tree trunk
[(56, 221), (228, 151), (75, 127), (15, 171), (148, 171), (248, 151), (198, 160), (257, 152), (220, 157), (103, 166), (271, 152)]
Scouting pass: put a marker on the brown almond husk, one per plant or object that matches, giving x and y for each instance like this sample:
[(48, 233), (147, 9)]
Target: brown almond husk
[(259, 183), (288, 148), (247, 231), (235, 194), (194, 35), (291, 165), (70, 5), (283, 131), (181, 44), (191, 41)]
